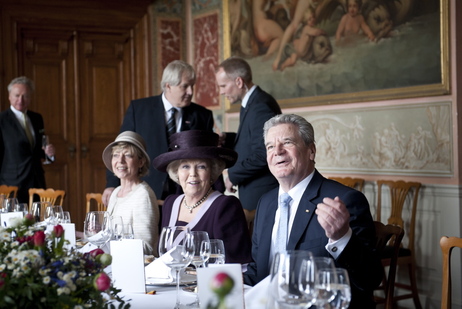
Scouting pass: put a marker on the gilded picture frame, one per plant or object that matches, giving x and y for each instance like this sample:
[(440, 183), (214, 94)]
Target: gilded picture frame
[(410, 59)]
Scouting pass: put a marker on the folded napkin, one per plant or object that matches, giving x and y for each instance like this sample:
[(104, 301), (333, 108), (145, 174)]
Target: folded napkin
[(257, 296), (158, 272)]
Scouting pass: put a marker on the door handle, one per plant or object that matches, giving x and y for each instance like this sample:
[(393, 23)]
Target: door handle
[(71, 149), (84, 151)]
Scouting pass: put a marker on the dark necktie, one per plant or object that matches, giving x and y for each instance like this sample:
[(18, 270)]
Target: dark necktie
[(27, 129), (171, 123)]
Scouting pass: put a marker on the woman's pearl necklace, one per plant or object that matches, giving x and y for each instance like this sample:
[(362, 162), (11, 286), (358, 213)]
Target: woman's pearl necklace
[(191, 208)]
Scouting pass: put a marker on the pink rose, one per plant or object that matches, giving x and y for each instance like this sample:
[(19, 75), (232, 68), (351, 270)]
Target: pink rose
[(29, 219), (39, 238), (95, 252), (58, 230), (222, 284), (102, 282)]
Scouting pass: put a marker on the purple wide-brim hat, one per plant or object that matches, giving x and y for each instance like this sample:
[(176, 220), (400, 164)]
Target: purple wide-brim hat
[(194, 144)]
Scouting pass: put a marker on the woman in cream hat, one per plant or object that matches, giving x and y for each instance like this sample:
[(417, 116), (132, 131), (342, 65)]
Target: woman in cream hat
[(195, 162), (133, 200)]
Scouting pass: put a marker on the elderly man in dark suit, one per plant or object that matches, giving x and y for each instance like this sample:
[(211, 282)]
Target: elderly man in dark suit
[(152, 118), (21, 132), (323, 216), (250, 173)]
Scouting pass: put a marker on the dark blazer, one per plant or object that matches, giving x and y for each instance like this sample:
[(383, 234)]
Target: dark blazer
[(358, 257), (147, 117), (20, 165), (251, 171)]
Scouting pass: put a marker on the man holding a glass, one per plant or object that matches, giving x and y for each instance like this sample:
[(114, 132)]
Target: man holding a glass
[(21, 150), (321, 215)]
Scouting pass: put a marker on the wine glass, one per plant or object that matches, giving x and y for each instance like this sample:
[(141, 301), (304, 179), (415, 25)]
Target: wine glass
[(49, 216), (176, 250), (307, 280), (343, 297), (97, 228), (59, 214), (202, 248), (128, 231), (217, 252), (323, 262), (38, 210), (117, 227), (45, 142), (9, 204), (326, 286), (285, 280), (22, 207), (66, 217)]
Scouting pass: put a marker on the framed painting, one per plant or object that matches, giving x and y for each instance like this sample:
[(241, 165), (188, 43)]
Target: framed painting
[(311, 52)]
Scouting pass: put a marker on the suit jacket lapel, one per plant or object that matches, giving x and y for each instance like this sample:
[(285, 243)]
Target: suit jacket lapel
[(305, 212)]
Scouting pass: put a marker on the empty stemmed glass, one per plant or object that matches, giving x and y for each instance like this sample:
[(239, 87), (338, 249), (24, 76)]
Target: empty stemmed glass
[(285, 280), (97, 228), (217, 252), (59, 214), (38, 210), (176, 250), (9, 204), (202, 248), (343, 295)]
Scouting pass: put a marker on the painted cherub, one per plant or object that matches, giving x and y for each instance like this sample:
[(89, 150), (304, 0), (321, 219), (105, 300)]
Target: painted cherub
[(304, 38), (353, 22)]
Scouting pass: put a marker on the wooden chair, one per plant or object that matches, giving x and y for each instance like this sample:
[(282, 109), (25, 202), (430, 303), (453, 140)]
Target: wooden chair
[(446, 244), (97, 199), (356, 183), (399, 192), (9, 191), (391, 235), (55, 197)]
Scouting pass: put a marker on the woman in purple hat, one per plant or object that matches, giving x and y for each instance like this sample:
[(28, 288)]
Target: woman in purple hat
[(195, 162)]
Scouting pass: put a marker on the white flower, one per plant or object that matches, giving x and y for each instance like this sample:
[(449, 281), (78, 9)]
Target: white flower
[(46, 280), (64, 290), (15, 222)]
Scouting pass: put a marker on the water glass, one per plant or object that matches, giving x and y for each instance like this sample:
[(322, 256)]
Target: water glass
[(285, 278), (128, 231), (98, 228), (217, 252), (22, 207)]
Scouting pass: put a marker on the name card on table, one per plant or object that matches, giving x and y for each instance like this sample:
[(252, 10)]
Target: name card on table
[(6, 216), (69, 233), (218, 280), (128, 265)]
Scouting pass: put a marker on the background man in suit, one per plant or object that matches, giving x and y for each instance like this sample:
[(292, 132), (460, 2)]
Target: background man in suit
[(325, 217), (21, 132), (250, 173), (149, 118)]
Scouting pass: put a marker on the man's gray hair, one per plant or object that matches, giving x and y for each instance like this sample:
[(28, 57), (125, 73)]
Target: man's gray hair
[(235, 67), (305, 129), (22, 80), (173, 73)]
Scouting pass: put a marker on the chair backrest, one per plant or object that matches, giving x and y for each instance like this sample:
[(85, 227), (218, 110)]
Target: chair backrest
[(8, 191), (447, 244), (55, 197), (97, 199), (385, 234), (399, 192), (356, 183)]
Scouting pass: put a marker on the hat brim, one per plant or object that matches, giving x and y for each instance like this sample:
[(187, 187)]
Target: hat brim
[(218, 153), (107, 152)]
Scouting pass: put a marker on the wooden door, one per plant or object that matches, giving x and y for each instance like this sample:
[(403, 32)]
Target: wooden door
[(83, 84)]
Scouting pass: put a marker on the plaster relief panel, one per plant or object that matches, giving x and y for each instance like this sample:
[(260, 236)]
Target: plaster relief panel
[(411, 140)]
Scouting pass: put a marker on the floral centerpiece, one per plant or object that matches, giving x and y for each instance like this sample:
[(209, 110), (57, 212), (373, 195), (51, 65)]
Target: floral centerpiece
[(38, 271)]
